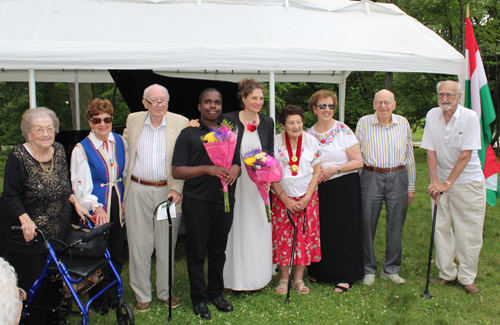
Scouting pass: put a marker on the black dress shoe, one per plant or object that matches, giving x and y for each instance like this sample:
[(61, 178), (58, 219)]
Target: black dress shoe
[(202, 310), (222, 304)]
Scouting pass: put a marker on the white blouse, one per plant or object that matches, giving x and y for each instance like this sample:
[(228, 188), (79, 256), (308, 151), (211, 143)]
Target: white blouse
[(296, 186), (334, 144), (81, 177)]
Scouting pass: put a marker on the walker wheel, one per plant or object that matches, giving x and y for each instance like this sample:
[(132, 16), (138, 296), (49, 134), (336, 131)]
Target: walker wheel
[(125, 315)]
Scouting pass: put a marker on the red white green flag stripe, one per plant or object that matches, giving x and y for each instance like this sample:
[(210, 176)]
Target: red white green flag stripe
[(478, 98)]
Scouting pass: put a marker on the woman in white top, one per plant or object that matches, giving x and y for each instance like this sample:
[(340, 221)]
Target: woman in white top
[(299, 157), (97, 167), (339, 197)]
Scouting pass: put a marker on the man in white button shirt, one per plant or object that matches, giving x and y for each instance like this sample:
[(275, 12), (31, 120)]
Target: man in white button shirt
[(452, 138), (151, 136)]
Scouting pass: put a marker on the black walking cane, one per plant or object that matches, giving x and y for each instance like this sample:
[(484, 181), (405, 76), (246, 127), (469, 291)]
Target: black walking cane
[(169, 202), (291, 258), (426, 292)]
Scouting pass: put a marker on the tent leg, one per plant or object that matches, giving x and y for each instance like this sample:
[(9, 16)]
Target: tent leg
[(272, 97), (32, 88), (77, 101), (342, 88)]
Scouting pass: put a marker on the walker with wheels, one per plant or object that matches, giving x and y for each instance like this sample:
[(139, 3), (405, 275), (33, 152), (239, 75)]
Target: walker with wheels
[(74, 271)]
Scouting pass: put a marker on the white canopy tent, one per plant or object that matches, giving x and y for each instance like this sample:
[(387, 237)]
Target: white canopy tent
[(270, 40)]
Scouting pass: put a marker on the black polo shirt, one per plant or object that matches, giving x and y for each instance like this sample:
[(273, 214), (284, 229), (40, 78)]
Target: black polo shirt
[(190, 151)]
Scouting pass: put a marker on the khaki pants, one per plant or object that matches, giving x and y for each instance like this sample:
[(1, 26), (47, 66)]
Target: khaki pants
[(145, 234), (464, 205)]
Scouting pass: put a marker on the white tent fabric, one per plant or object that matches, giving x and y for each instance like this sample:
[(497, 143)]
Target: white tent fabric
[(228, 38), (270, 40)]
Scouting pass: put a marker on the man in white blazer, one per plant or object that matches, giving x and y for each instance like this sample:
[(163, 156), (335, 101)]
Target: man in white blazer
[(151, 136)]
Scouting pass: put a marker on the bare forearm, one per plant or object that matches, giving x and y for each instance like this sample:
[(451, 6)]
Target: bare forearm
[(459, 167), (432, 166), (189, 172)]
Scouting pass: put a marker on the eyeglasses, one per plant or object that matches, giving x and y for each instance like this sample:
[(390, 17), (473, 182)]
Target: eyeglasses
[(323, 106), (22, 295), (387, 103), (40, 130), (447, 95), (97, 120), (155, 102)]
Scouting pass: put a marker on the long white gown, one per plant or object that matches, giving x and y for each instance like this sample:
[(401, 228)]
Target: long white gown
[(249, 256)]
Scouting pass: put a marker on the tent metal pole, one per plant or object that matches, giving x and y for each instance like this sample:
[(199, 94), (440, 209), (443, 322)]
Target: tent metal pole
[(77, 101), (272, 97), (342, 86), (32, 88)]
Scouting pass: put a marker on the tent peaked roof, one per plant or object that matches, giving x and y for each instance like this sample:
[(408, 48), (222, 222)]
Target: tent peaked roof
[(303, 37)]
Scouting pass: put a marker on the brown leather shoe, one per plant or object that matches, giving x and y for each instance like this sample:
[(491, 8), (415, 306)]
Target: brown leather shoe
[(471, 288), (443, 281), (175, 301), (142, 306)]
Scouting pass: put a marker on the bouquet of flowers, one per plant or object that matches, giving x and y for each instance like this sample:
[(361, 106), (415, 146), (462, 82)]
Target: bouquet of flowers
[(263, 170), (220, 145)]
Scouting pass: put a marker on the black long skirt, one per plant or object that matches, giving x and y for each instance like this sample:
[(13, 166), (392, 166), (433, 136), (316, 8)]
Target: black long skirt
[(341, 231)]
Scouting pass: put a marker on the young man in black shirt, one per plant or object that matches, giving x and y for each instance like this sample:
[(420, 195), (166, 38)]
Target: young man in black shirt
[(207, 225)]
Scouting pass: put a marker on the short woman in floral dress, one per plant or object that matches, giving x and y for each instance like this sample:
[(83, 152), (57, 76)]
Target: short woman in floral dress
[(299, 156), (339, 197)]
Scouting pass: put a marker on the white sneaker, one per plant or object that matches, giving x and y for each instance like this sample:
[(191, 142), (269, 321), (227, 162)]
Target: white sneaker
[(392, 277), (369, 279)]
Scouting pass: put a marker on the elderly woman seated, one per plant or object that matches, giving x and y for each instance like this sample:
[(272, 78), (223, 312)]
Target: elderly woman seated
[(11, 297)]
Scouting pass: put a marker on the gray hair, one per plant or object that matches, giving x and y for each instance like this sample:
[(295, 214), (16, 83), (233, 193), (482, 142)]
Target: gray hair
[(378, 92), (9, 294), (154, 85), (31, 114), (459, 88)]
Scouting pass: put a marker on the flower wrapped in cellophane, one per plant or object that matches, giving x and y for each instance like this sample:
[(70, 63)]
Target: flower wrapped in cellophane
[(220, 145), (262, 169)]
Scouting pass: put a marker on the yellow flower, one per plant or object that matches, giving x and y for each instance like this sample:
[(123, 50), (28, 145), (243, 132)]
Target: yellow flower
[(250, 161), (260, 155), (210, 137)]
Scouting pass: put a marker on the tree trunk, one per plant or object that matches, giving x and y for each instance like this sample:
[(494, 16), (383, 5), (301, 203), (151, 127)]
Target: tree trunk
[(86, 97), (462, 26), (389, 77)]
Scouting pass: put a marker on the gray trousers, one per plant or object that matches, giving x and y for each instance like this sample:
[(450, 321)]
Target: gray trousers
[(145, 235), (375, 189)]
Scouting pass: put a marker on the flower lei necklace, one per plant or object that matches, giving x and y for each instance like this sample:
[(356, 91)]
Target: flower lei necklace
[(252, 126), (294, 160)]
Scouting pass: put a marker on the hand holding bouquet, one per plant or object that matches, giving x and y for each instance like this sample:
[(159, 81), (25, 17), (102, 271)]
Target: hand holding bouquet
[(220, 145), (263, 170)]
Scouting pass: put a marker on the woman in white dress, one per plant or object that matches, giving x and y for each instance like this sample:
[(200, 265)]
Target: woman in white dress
[(249, 247)]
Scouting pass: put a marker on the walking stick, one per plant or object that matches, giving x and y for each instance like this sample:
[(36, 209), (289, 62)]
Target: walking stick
[(291, 258), (169, 202), (426, 291)]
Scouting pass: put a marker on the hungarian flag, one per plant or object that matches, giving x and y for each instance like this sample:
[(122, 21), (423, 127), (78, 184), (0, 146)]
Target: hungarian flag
[(478, 98)]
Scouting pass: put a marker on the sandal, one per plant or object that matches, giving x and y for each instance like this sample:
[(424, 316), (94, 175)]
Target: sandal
[(300, 287), (282, 287), (313, 280), (341, 288)]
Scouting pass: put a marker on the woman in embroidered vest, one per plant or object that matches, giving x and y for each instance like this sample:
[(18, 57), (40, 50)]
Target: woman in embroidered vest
[(339, 197), (298, 154), (97, 166), (37, 194), (249, 265)]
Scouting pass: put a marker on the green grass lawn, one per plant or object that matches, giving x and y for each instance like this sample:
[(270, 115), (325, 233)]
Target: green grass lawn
[(382, 303)]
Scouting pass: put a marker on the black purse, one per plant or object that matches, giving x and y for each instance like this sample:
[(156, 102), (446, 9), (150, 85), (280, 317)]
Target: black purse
[(78, 245)]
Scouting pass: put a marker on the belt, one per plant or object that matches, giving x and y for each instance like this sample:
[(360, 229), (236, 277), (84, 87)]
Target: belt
[(383, 170), (156, 184)]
